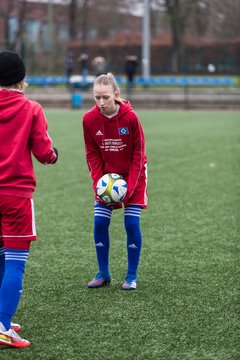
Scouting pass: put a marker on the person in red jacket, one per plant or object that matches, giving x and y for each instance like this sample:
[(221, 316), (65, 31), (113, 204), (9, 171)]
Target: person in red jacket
[(114, 143), (23, 132)]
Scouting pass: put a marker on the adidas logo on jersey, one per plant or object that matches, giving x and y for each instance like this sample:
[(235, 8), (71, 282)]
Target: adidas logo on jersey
[(99, 132)]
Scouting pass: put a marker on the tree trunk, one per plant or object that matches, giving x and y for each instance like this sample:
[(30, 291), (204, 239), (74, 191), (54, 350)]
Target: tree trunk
[(72, 19), (20, 39), (178, 24)]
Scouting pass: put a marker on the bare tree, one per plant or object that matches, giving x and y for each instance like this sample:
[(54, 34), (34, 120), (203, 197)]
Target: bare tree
[(179, 12), (73, 19), (84, 19), (20, 38), (5, 11), (223, 18)]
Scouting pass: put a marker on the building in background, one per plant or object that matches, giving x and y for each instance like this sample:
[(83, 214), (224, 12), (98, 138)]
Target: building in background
[(43, 31)]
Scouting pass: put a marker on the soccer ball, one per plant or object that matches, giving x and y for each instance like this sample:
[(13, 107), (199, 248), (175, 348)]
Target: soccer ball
[(111, 188)]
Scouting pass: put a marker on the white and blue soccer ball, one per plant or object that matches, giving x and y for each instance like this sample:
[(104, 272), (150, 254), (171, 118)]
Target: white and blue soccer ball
[(111, 188)]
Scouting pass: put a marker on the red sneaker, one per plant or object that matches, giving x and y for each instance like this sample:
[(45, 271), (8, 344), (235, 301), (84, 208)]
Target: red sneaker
[(100, 280), (129, 284), (16, 327), (11, 338)]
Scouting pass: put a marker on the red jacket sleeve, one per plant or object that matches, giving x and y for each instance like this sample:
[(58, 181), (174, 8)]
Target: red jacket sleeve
[(93, 156), (40, 141), (138, 159)]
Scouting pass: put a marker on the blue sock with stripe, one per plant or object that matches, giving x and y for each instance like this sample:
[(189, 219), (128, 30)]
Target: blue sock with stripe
[(102, 219), (134, 238), (11, 288), (2, 264)]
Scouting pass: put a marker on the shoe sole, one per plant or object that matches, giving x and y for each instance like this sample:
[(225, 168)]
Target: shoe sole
[(15, 344), (130, 288)]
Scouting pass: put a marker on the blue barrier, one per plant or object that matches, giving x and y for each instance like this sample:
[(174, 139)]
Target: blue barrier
[(76, 81), (46, 80), (186, 81)]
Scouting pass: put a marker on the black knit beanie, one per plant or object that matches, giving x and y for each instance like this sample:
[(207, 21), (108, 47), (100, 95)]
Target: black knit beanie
[(12, 68)]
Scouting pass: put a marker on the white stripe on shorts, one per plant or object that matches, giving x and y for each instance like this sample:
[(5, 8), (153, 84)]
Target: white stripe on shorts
[(33, 219)]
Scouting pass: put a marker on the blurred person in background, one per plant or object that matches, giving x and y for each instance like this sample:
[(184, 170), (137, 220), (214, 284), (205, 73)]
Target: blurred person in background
[(131, 65), (83, 61), (69, 65), (99, 65)]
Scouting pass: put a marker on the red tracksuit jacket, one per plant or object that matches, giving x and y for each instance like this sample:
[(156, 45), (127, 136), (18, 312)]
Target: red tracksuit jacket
[(23, 130), (115, 145)]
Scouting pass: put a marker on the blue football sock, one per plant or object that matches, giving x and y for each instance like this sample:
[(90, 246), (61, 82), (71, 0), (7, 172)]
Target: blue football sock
[(102, 219), (134, 238), (2, 264), (11, 288)]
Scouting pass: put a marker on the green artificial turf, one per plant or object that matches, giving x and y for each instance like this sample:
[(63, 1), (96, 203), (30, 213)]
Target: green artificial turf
[(186, 306)]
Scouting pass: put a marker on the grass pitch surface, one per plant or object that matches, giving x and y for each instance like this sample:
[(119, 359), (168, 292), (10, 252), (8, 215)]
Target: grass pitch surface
[(186, 306)]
